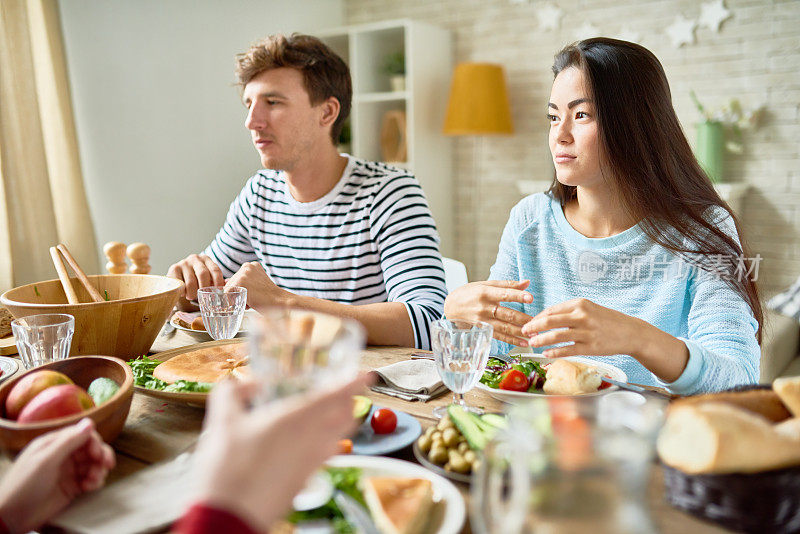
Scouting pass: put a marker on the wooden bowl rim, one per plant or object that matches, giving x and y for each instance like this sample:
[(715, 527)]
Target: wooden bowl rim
[(8, 302), (126, 388)]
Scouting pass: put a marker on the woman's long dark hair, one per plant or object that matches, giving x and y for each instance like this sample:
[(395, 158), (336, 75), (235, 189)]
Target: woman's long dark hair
[(659, 182)]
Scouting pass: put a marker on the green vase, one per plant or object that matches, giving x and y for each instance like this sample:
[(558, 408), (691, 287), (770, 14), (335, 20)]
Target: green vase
[(710, 149)]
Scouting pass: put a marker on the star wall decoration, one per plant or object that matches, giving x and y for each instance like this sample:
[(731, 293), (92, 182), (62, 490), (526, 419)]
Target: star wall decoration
[(712, 14), (681, 31), (549, 16), (586, 30)]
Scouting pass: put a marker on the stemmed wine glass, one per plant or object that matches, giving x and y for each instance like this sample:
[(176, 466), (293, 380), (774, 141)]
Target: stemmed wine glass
[(222, 310), (461, 350)]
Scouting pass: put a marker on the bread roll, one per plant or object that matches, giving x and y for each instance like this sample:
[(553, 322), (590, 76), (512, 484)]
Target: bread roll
[(720, 438), (788, 389), (760, 401), (565, 377)]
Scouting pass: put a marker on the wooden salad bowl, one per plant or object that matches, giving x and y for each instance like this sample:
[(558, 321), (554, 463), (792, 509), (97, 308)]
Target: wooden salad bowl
[(124, 326), (109, 418)]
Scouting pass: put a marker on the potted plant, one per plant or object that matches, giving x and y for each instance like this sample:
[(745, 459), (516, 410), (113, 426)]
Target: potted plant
[(394, 65), (719, 130)]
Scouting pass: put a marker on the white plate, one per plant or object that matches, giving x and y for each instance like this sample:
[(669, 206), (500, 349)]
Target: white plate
[(9, 366), (202, 335), (455, 512), (515, 396)]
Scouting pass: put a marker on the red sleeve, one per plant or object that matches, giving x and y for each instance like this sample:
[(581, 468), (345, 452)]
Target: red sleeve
[(3, 527), (204, 519)]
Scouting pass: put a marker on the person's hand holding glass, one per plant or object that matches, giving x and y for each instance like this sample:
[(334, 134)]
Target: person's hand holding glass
[(222, 310), (461, 350)]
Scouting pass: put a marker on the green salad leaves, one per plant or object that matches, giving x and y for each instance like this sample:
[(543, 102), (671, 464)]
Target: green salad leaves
[(495, 369), (143, 367), (346, 480)]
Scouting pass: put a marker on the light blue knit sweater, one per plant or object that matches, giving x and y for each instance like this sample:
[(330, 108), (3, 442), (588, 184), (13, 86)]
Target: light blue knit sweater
[(630, 273)]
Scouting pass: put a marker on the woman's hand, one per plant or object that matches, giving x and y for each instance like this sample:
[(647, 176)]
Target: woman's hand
[(480, 301), (252, 461), (595, 330), (50, 472)]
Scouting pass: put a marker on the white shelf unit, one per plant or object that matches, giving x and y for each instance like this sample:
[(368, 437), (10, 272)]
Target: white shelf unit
[(429, 65)]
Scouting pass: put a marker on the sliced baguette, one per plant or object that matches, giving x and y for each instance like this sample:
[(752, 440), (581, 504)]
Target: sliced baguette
[(721, 438), (788, 389), (760, 401)]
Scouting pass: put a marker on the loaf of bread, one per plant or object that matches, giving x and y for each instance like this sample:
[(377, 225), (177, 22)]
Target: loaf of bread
[(714, 438), (788, 389), (761, 401)]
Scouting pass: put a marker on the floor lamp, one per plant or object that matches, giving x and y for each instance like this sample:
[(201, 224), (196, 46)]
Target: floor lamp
[(478, 106)]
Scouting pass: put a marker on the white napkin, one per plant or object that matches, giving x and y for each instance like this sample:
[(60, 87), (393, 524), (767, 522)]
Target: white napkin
[(150, 499), (411, 380)]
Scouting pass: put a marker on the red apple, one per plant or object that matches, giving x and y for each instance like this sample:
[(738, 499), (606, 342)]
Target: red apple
[(55, 402), (30, 386)]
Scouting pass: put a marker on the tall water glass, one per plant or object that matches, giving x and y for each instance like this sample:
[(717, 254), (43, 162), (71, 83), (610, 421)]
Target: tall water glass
[(43, 338), (222, 310), (293, 351), (461, 350), (569, 465)]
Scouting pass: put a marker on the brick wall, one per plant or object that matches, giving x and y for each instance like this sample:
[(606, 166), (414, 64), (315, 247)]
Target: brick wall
[(755, 57)]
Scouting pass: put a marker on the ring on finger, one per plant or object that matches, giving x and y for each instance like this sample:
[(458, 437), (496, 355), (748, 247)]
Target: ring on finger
[(494, 311)]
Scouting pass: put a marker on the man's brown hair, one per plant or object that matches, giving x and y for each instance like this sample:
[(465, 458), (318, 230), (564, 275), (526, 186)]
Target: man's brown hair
[(325, 74)]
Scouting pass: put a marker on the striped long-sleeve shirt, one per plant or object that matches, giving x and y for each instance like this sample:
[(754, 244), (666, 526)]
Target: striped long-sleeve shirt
[(370, 239)]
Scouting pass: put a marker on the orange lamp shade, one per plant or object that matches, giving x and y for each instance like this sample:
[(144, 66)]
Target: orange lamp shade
[(478, 102)]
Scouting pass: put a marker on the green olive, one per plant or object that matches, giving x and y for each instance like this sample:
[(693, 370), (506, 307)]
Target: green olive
[(470, 456), (476, 465), (430, 430), (437, 443), (450, 437), (424, 443), (445, 423), (463, 447), (448, 467), (438, 455), (458, 463), (436, 435)]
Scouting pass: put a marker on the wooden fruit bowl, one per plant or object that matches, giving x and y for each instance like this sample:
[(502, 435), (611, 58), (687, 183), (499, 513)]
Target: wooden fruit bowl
[(125, 326), (109, 418)]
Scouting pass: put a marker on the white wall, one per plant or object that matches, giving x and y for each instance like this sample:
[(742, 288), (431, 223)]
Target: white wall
[(160, 124)]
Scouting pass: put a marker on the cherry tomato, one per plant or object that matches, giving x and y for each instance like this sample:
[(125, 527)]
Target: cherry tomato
[(604, 385), (383, 421), (345, 446), (514, 380)]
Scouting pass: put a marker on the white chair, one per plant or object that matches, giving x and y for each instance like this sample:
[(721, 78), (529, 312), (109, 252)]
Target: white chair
[(455, 274)]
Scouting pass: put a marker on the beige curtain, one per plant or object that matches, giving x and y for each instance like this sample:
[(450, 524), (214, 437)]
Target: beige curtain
[(42, 198)]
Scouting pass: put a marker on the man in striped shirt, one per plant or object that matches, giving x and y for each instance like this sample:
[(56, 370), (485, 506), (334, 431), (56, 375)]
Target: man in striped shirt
[(316, 229)]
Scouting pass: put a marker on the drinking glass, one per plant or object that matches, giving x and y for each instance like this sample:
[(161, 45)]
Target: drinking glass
[(569, 465), (293, 351), (461, 350), (43, 338), (222, 310)]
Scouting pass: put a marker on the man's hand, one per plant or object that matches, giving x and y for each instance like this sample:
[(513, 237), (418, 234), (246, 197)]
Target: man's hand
[(50, 472), (480, 301), (261, 290), (196, 271)]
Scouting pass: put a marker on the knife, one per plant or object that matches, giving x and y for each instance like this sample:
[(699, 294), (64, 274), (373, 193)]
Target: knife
[(354, 513)]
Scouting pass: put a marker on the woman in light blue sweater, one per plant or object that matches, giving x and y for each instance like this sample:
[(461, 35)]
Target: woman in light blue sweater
[(631, 256)]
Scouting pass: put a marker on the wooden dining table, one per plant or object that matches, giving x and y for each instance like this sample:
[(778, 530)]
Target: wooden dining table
[(158, 431)]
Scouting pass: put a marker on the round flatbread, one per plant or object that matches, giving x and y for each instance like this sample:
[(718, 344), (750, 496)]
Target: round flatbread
[(210, 364)]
